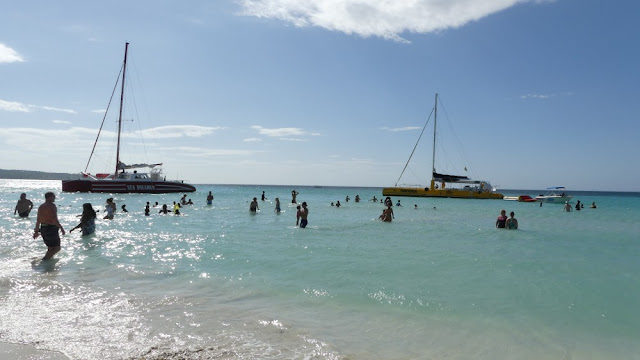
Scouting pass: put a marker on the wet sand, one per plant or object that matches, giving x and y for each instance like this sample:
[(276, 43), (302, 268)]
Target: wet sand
[(27, 352)]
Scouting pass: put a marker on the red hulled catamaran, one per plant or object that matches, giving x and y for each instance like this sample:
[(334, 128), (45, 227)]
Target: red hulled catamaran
[(121, 180)]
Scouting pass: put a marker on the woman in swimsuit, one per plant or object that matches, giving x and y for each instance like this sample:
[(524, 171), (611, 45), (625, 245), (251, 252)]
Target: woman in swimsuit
[(87, 221), (512, 223), (502, 220)]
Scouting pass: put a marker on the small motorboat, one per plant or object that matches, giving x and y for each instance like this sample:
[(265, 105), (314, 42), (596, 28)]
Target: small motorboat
[(555, 194)]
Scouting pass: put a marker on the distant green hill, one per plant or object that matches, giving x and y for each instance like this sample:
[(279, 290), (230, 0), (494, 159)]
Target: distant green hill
[(35, 175)]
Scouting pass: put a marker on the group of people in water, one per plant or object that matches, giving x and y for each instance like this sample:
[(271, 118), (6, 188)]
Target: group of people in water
[(579, 206), (503, 222), (48, 226), (302, 212)]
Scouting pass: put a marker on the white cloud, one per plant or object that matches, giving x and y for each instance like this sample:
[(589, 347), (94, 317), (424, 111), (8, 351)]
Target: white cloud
[(383, 18), (15, 106), (545, 96), (535, 96), (176, 131), (279, 132), (61, 122), (204, 152), (406, 128), (8, 55), (251, 140), (70, 138), (51, 108)]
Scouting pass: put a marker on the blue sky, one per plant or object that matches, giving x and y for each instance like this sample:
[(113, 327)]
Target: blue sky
[(329, 92)]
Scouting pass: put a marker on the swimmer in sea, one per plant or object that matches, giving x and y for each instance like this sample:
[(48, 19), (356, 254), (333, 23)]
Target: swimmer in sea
[(110, 208), (502, 220), (387, 214), (209, 198), (277, 209), (567, 207), (303, 216), (299, 214), (512, 222), (253, 207), (47, 225), (23, 207), (87, 220)]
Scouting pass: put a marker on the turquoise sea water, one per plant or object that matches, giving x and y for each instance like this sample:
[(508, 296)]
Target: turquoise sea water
[(439, 282)]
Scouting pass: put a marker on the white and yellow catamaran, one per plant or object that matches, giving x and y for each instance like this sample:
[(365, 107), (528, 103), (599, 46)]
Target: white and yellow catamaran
[(443, 185)]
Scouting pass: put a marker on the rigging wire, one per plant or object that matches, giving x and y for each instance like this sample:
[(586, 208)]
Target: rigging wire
[(457, 139), (415, 146), (104, 117), (135, 109)]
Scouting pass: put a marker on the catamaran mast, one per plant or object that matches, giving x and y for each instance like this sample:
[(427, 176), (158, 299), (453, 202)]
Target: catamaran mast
[(435, 120), (124, 73)]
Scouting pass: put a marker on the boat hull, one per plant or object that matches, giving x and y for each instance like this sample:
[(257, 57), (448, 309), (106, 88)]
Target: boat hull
[(554, 199), (122, 186), (445, 193)]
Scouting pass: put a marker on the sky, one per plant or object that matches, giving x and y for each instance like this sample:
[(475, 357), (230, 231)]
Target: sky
[(327, 92)]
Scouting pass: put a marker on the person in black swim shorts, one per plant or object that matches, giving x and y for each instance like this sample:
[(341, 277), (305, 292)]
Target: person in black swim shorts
[(303, 215), (47, 225)]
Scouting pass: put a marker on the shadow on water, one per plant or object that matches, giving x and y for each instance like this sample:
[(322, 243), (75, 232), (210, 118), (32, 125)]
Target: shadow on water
[(44, 266)]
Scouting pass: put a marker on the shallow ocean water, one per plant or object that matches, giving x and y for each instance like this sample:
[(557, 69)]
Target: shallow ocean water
[(218, 282)]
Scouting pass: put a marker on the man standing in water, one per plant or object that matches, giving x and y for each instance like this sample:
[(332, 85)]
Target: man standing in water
[(293, 196), (303, 215), (253, 207), (47, 225), (24, 206)]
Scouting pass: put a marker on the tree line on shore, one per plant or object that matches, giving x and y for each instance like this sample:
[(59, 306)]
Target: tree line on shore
[(35, 175)]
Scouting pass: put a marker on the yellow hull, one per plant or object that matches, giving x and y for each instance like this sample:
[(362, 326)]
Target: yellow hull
[(444, 193)]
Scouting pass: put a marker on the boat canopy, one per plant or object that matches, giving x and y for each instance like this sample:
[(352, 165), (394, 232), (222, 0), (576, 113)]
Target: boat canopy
[(556, 188), (123, 166), (450, 178)]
